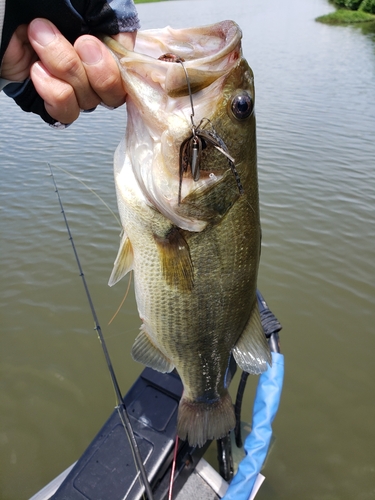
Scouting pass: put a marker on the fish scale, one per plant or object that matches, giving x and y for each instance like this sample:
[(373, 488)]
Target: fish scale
[(195, 259)]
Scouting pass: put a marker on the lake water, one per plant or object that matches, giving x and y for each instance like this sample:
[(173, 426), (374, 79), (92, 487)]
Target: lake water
[(316, 140)]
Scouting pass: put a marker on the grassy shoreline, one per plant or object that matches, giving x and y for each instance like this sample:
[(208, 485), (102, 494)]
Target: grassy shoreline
[(346, 16), (350, 12)]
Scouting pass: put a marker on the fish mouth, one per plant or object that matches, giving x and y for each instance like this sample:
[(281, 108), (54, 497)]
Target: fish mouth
[(159, 106), (207, 52)]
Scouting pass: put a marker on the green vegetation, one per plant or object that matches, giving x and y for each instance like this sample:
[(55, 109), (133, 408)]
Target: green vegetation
[(350, 12), (363, 5), (344, 16)]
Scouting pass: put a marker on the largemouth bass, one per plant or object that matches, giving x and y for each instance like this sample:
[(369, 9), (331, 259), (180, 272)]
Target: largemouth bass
[(187, 190)]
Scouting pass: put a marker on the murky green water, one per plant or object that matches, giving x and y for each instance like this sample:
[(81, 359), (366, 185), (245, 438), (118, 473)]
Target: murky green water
[(316, 133)]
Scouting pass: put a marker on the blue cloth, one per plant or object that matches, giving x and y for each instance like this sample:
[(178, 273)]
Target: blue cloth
[(256, 445)]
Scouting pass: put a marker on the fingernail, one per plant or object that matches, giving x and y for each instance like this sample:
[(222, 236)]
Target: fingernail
[(89, 52), (43, 32), (38, 70)]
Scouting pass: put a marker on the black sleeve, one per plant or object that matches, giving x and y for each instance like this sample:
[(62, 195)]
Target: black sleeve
[(73, 18)]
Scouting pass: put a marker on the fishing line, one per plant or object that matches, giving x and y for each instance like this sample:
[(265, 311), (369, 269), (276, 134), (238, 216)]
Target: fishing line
[(117, 220), (123, 300), (171, 481), (91, 190), (181, 61), (120, 405)]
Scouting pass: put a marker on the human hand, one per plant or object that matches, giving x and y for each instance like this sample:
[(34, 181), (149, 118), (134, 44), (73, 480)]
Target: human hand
[(68, 78), (18, 57)]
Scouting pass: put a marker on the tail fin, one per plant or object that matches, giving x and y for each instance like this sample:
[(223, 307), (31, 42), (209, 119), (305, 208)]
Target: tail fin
[(200, 421)]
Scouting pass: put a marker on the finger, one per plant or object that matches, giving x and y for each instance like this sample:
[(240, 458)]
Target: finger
[(60, 59), (18, 57), (101, 69), (59, 97)]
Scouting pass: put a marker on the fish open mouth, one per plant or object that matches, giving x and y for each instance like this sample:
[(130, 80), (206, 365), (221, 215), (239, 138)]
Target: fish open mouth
[(174, 80), (208, 53)]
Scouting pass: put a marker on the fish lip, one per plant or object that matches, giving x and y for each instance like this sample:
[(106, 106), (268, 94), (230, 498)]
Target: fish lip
[(229, 31), (222, 40)]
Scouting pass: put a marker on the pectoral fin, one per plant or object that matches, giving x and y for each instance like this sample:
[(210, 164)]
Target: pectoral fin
[(124, 261), (175, 260), (144, 351), (251, 351)]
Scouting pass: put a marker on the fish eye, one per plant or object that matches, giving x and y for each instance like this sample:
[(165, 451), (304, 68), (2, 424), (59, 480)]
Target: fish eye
[(242, 105)]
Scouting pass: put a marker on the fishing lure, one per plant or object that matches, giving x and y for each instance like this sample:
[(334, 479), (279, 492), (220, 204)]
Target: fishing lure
[(192, 147), (191, 150)]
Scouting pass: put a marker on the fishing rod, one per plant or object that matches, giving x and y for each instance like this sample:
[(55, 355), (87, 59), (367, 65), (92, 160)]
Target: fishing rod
[(120, 405)]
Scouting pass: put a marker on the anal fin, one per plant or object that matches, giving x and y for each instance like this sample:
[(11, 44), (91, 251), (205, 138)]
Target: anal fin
[(144, 351), (251, 352)]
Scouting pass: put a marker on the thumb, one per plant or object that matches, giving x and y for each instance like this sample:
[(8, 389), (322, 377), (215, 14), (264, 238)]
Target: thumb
[(101, 70)]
